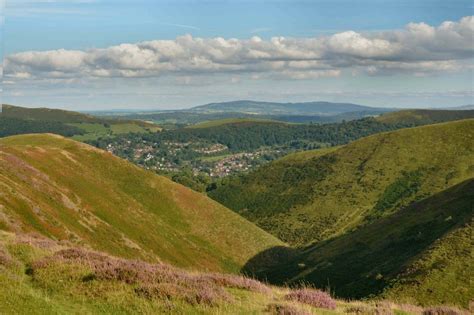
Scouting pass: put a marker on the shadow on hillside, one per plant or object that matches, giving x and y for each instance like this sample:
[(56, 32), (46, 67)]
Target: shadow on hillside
[(268, 260), (363, 262)]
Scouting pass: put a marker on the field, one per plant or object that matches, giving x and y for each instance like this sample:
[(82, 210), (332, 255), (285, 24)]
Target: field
[(220, 122), (95, 130)]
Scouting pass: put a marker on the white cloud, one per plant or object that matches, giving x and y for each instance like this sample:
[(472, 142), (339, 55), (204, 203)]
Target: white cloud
[(419, 49)]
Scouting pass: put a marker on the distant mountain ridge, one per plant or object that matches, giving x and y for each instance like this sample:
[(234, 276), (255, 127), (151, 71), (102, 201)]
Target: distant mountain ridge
[(274, 108)]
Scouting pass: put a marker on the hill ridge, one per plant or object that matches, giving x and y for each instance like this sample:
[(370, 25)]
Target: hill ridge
[(73, 191)]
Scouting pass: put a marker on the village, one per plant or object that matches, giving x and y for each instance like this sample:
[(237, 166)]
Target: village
[(213, 159)]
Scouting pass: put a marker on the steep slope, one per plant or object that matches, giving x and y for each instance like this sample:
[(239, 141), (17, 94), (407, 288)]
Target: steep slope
[(424, 116), (313, 196), (67, 190), (421, 254)]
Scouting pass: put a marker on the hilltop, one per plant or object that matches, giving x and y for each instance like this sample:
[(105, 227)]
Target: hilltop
[(67, 190), (424, 116), (47, 114), (313, 196), (20, 120)]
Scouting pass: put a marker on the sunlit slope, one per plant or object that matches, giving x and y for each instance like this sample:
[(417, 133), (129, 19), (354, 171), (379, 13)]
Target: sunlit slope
[(424, 116), (220, 122), (67, 190), (22, 120), (421, 254), (313, 196)]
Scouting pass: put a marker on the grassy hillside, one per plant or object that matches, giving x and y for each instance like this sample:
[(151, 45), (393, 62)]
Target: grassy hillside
[(313, 197), (47, 114), (420, 254), (39, 276), (220, 122), (424, 116), (14, 126), (21, 120), (67, 190)]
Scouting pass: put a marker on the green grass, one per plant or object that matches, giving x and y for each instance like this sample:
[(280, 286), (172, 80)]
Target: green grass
[(67, 190), (316, 195), (98, 130), (214, 158), (421, 254), (94, 127), (363, 214), (46, 284), (220, 122), (424, 116)]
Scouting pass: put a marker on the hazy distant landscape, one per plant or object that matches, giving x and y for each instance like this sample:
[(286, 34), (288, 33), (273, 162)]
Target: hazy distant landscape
[(237, 157)]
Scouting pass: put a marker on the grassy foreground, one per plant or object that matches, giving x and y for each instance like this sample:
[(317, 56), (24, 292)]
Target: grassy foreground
[(41, 276)]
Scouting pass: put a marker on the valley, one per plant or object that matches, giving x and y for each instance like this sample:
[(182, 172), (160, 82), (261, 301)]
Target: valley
[(376, 208)]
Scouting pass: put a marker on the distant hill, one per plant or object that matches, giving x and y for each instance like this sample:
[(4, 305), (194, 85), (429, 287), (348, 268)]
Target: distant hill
[(420, 254), (251, 134), (21, 120), (424, 116), (463, 107), (313, 196), (67, 190), (221, 122), (47, 114), (272, 108)]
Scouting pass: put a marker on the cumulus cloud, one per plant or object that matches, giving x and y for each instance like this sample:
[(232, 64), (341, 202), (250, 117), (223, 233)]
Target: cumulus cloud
[(418, 48)]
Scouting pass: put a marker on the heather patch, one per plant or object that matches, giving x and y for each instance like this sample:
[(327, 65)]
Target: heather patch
[(312, 297), (443, 310), (152, 281), (285, 309)]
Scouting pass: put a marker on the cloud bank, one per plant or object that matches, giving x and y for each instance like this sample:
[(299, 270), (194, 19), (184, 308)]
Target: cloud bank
[(418, 49)]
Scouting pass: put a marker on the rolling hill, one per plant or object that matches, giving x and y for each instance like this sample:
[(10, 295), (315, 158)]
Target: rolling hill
[(313, 196), (227, 121), (424, 116), (273, 108), (20, 120), (66, 190)]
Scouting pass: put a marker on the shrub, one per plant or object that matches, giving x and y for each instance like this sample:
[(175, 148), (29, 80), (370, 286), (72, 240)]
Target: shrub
[(152, 280), (285, 309), (442, 310), (5, 258), (237, 282), (197, 295), (312, 297)]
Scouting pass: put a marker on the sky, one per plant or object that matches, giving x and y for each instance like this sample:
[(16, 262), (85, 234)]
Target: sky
[(104, 54)]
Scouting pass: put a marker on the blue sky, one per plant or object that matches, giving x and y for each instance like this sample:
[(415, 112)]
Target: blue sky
[(85, 30)]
